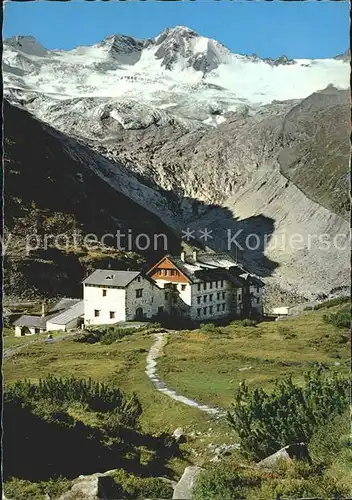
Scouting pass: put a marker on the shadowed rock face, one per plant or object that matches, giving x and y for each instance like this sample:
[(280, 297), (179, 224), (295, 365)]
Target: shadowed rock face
[(281, 170)]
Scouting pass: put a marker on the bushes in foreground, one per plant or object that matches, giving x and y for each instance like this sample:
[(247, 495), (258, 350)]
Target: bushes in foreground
[(289, 414), (329, 303), (328, 476), (134, 487), (341, 319), (22, 489), (109, 334), (58, 392)]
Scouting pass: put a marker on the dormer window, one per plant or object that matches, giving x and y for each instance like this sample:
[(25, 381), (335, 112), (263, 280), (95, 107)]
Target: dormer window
[(109, 277)]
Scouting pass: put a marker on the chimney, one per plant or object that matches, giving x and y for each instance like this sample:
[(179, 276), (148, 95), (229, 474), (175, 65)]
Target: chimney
[(195, 255), (183, 256), (44, 309)]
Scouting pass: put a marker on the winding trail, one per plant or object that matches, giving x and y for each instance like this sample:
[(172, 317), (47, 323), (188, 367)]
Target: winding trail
[(151, 371)]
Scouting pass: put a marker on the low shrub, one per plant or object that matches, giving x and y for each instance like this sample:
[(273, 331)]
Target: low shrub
[(134, 487), (341, 319), (329, 439), (248, 322), (332, 302), (209, 328), (286, 332), (21, 489), (289, 414), (225, 481)]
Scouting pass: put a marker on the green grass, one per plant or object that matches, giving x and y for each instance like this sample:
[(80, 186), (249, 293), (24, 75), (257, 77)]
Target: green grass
[(121, 364), (10, 340), (209, 366), (200, 365)]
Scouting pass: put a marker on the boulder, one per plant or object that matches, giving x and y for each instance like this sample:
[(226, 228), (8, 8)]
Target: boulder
[(94, 487), (184, 488), (293, 451), (178, 435)]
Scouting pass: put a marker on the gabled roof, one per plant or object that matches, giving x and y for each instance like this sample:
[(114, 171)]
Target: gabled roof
[(31, 321), (212, 267), (108, 277), (73, 312)]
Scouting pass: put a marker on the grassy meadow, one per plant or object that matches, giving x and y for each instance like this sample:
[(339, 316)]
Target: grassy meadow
[(209, 365)]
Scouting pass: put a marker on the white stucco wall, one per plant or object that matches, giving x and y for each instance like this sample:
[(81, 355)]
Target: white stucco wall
[(124, 302), (50, 326), (31, 331), (282, 311), (114, 301)]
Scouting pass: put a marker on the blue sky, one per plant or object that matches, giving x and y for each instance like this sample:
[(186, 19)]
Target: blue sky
[(269, 29)]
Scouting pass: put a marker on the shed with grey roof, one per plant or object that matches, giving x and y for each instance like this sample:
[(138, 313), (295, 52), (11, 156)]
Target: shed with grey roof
[(29, 325), (72, 317)]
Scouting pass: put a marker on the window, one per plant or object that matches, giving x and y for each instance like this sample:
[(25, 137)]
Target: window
[(139, 279), (198, 312), (112, 314), (239, 298), (174, 286), (223, 295), (211, 285), (218, 307), (204, 310), (172, 272), (183, 287), (164, 272), (258, 300), (104, 293), (205, 286), (96, 313), (218, 296), (139, 292), (204, 298), (221, 283), (198, 299), (211, 297), (257, 289), (211, 310), (223, 307), (198, 287), (160, 310)]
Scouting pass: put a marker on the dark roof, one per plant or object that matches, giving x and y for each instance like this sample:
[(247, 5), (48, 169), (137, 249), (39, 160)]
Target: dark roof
[(181, 266), (236, 273), (31, 321), (108, 277), (256, 281)]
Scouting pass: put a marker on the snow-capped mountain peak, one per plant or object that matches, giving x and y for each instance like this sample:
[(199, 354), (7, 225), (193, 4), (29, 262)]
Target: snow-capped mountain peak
[(28, 45), (122, 44), (186, 75), (182, 47)]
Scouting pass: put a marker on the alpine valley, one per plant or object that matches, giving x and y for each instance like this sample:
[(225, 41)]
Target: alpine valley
[(177, 132)]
